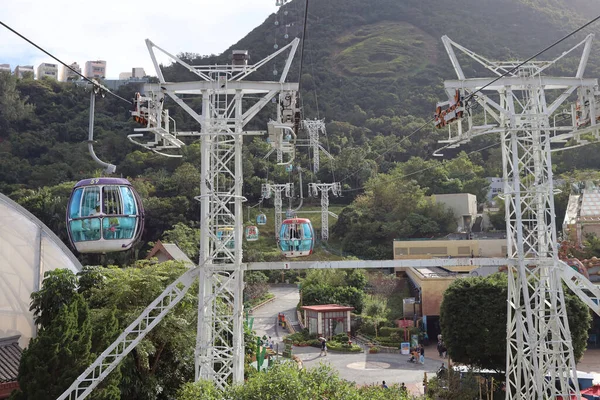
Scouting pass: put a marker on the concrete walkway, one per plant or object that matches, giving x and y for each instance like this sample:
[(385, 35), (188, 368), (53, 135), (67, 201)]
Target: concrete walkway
[(265, 317), (362, 368)]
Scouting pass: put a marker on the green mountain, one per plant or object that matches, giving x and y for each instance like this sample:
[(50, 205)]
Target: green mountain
[(373, 69)]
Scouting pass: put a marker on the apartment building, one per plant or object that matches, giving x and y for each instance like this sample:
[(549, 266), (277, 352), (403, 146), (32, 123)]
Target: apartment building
[(95, 69), (47, 70), (68, 75), (21, 70)]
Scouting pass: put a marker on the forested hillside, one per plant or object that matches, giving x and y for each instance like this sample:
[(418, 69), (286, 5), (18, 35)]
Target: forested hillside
[(373, 69)]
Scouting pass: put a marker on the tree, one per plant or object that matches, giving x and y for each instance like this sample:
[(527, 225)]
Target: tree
[(325, 294), (473, 321), (59, 354), (390, 208), (376, 309), (13, 106), (58, 290), (186, 238), (82, 315)]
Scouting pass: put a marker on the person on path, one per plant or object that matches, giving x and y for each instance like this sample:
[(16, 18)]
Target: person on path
[(422, 352), (323, 346), (403, 389), (383, 385)]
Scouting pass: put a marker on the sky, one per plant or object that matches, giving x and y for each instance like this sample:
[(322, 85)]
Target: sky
[(116, 30)]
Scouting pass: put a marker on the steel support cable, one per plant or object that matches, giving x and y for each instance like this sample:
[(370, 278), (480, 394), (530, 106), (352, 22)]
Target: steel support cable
[(483, 87), (63, 63)]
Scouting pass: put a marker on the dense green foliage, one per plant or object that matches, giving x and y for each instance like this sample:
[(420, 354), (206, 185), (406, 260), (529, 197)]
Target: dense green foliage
[(79, 319), (473, 321), (59, 354), (390, 208), (286, 381), (334, 287)]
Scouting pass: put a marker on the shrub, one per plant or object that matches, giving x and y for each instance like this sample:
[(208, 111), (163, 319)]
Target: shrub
[(387, 331), (336, 346), (342, 338)]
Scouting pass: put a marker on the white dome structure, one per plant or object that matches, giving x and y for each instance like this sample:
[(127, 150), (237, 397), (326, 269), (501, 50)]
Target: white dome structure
[(28, 249)]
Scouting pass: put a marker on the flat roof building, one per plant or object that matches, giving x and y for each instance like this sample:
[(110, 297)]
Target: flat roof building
[(68, 75), (21, 70), (47, 70), (95, 69)]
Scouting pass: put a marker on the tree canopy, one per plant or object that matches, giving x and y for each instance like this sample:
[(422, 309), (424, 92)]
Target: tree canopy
[(79, 319), (473, 321)]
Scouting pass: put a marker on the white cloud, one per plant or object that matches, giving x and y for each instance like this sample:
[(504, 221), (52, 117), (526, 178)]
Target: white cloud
[(115, 30)]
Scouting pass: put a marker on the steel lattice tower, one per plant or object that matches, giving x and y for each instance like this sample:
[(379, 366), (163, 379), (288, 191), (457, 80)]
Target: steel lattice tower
[(277, 190), (539, 360), (324, 188)]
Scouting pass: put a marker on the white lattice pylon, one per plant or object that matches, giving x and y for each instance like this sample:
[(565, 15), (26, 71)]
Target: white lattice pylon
[(324, 188), (277, 190), (219, 354), (539, 362), (314, 128)]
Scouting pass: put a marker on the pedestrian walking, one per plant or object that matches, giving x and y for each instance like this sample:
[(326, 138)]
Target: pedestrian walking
[(383, 385), (323, 346), (422, 357)]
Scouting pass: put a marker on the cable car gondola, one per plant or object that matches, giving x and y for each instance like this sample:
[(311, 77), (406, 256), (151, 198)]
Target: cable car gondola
[(225, 235), (261, 219), (104, 215), (296, 237), (251, 233)]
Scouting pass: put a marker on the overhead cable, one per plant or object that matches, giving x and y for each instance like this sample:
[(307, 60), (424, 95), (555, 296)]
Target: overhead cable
[(93, 82)]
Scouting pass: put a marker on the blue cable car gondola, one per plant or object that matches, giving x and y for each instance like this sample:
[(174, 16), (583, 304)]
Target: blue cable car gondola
[(104, 215), (296, 237), (225, 235), (252, 233), (261, 219)]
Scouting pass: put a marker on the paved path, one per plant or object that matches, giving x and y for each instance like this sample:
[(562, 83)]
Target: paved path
[(365, 368), (265, 318), (362, 368)]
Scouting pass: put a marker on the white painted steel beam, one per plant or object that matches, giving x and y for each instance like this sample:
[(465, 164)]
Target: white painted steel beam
[(425, 263), (196, 87), (517, 83)]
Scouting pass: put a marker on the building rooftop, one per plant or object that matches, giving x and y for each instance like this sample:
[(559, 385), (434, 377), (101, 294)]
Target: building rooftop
[(437, 272), (10, 356), (327, 308), (590, 204), (171, 251)]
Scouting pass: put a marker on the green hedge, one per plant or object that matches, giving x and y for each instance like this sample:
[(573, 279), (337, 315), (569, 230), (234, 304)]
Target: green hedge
[(386, 331)]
